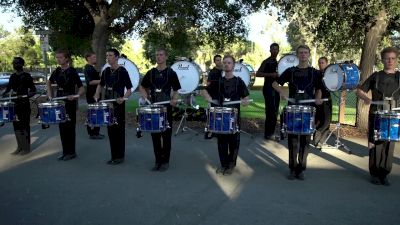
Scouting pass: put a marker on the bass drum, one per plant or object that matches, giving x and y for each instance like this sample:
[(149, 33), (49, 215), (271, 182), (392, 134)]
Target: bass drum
[(286, 62), (188, 74), (241, 70), (132, 69), (341, 77)]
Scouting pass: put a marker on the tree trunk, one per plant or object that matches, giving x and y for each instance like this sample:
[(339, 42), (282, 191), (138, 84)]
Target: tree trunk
[(99, 41), (372, 38)]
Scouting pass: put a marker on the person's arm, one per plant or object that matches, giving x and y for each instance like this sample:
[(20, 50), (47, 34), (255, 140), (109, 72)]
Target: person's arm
[(144, 86), (32, 87), (99, 87), (78, 83), (8, 89), (362, 90), (364, 96), (206, 95), (277, 88), (49, 90), (128, 85), (260, 72)]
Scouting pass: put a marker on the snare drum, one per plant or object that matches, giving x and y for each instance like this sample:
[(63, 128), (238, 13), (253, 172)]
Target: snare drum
[(286, 62), (152, 118), (7, 112), (341, 76), (100, 114), (52, 113), (387, 126), (299, 119), (222, 120)]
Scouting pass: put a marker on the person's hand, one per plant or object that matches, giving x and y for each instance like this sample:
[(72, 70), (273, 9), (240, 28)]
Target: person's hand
[(70, 97), (318, 101), (367, 101), (96, 97), (244, 102), (49, 97), (120, 100), (209, 99), (173, 102), (275, 75)]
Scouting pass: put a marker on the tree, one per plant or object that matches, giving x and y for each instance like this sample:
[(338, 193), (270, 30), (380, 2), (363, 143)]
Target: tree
[(98, 20), (347, 24)]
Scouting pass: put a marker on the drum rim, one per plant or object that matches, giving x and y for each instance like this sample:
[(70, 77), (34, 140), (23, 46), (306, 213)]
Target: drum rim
[(57, 103), (6, 103), (98, 105), (280, 60)]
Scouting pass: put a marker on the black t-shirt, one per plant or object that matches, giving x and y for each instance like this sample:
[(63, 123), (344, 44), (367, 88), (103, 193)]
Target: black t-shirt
[(115, 82), (215, 75), (303, 82), (21, 84), (90, 75), (382, 85), (269, 65), (160, 84), (66, 81), (325, 92), (232, 89)]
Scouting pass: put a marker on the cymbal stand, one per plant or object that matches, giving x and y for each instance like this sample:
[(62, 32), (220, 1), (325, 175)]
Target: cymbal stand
[(183, 123), (338, 143)]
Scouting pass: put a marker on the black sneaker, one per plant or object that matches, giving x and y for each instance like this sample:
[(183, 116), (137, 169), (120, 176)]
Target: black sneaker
[(385, 181), (228, 171), (164, 167), (61, 157), (375, 180), (16, 152), (220, 170), (115, 161), (69, 157), (156, 167), (300, 176)]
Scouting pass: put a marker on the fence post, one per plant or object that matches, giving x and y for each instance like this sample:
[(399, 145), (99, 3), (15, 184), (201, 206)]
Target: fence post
[(342, 107)]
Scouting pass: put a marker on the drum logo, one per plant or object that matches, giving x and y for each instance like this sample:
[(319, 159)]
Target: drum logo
[(181, 67), (238, 69)]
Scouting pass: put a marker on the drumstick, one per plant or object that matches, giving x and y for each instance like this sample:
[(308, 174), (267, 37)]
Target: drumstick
[(235, 102), (214, 101), (292, 100), (377, 102), (64, 97), (312, 100), (164, 102), (15, 97), (395, 109), (111, 100)]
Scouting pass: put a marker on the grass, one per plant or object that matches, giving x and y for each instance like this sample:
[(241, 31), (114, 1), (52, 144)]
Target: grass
[(256, 110)]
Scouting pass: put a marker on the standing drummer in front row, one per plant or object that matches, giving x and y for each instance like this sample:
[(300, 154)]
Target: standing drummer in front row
[(231, 88), (156, 86), (304, 83), (115, 79), (382, 84)]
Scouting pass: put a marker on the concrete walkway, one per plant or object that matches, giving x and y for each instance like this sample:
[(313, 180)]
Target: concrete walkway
[(38, 189)]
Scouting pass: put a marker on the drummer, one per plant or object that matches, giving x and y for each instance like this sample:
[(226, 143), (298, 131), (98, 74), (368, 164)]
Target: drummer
[(303, 84), (323, 115), (268, 70), (66, 79), (156, 87), (115, 79), (21, 83), (92, 79), (382, 84), (231, 88)]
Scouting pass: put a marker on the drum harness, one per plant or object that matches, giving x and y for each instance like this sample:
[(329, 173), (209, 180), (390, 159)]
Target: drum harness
[(397, 74), (158, 89), (110, 87), (310, 73)]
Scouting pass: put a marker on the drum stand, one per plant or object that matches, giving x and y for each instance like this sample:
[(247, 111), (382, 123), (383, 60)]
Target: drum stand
[(183, 122), (338, 143)]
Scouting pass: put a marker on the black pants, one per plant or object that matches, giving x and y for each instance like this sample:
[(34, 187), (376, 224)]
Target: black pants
[(67, 129), (92, 131), (162, 141), (323, 118), (380, 156), (116, 132), (228, 149), (22, 127), (298, 151), (272, 99)]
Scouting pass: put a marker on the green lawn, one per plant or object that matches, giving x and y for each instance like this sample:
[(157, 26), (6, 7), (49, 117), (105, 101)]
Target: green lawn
[(257, 108)]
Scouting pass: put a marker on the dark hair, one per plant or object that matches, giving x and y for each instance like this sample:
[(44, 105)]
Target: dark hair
[(162, 49), (389, 50), (304, 47), (216, 56), (113, 50), (230, 56), (19, 60), (124, 56), (89, 54), (274, 45), (65, 53), (323, 58)]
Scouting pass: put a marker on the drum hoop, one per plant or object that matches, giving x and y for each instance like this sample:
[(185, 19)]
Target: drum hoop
[(7, 103), (98, 106), (51, 104)]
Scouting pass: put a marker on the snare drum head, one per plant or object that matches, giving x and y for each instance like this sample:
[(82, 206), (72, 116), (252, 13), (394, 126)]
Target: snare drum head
[(241, 70), (286, 62), (333, 77), (188, 75), (132, 71)]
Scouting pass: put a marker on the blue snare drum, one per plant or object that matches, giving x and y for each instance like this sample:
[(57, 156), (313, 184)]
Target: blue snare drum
[(100, 114), (152, 118), (299, 119), (387, 126), (52, 113), (343, 76), (222, 120), (7, 112)]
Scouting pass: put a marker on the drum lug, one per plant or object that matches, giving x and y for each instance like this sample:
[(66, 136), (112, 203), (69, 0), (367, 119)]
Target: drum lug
[(138, 133), (67, 118), (376, 134), (16, 118)]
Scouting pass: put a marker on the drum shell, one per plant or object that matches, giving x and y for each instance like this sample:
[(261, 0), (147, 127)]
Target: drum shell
[(7, 112), (100, 114), (152, 119), (387, 126), (341, 77), (222, 120), (52, 113), (299, 119)]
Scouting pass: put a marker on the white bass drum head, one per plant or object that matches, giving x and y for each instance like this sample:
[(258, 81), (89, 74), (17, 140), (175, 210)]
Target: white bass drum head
[(188, 75)]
